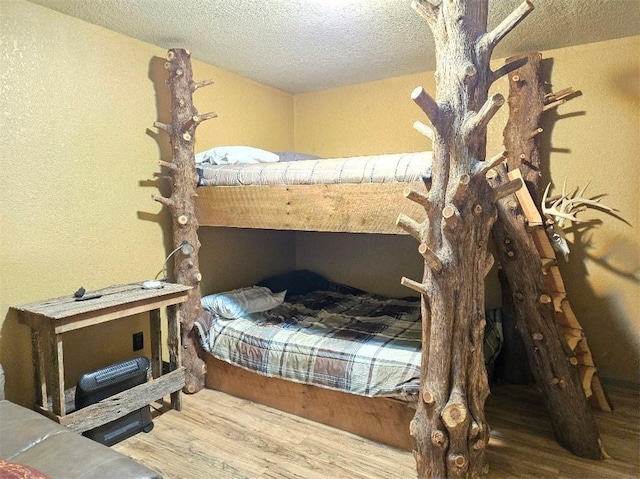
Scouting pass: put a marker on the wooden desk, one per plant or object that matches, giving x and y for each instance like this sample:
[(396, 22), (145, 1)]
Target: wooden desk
[(50, 319)]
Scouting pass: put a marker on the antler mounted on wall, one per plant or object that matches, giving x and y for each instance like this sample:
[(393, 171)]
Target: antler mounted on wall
[(562, 209)]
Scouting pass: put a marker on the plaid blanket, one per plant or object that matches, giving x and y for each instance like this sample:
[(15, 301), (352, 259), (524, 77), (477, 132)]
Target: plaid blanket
[(358, 343)]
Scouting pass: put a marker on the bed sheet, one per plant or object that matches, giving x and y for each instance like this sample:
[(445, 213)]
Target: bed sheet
[(357, 343), (405, 168)]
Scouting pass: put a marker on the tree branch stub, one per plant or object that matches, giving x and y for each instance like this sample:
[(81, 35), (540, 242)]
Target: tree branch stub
[(491, 39), (481, 119), (427, 104), (424, 130), (431, 258), (417, 197), (200, 84), (414, 285), (410, 226)]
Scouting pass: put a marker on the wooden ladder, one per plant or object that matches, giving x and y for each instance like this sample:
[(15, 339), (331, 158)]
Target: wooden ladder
[(567, 321)]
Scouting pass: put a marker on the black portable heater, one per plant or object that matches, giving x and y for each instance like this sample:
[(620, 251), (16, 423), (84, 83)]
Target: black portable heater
[(98, 385)]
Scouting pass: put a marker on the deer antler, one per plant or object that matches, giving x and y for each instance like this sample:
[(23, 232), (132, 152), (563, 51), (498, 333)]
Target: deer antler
[(567, 205), (564, 208)]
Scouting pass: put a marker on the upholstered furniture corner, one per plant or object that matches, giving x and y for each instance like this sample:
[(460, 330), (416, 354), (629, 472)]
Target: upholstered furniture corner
[(29, 438)]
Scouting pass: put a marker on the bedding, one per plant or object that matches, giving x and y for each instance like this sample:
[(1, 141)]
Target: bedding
[(229, 155), (404, 168), (239, 302), (295, 156), (347, 341)]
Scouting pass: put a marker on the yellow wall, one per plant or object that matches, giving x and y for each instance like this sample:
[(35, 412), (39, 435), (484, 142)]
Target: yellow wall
[(77, 103), (601, 136)]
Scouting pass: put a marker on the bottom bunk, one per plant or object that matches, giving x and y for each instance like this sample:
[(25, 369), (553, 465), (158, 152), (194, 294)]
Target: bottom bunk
[(324, 351), (379, 419)]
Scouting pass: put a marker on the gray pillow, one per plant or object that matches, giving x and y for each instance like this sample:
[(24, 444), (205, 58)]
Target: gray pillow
[(241, 302), (292, 156)]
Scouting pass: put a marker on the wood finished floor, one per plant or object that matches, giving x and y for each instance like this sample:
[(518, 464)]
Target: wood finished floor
[(219, 436)]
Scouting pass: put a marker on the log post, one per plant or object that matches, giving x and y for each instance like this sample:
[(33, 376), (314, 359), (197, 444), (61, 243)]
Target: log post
[(183, 179), (449, 427), (550, 358)]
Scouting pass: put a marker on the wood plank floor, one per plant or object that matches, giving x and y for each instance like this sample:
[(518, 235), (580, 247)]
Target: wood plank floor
[(219, 436)]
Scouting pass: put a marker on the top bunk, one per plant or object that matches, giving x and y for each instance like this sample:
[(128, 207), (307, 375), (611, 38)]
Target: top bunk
[(249, 188)]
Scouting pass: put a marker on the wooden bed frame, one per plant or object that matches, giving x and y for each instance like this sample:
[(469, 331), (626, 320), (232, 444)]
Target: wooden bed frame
[(346, 208), (379, 419)]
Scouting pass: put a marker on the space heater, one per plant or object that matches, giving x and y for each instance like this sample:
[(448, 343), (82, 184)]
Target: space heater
[(98, 385)]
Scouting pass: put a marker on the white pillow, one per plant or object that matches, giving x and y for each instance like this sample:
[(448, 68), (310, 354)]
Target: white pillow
[(240, 302), (228, 155)]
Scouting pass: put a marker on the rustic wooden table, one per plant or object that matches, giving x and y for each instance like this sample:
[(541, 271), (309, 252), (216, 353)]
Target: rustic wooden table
[(50, 319)]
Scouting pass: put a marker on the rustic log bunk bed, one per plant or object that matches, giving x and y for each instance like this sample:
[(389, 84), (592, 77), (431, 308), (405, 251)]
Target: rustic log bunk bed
[(371, 205), (352, 195), (363, 206), (329, 352)]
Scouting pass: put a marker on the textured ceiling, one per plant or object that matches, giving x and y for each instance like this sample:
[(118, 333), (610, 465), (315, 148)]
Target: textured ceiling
[(309, 45)]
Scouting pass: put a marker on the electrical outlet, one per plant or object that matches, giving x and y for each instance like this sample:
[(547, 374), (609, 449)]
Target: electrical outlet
[(138, 341)]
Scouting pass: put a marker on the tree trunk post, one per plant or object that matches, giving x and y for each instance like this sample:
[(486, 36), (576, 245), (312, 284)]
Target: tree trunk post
[(449, 428), (551, 360), (183, 179)]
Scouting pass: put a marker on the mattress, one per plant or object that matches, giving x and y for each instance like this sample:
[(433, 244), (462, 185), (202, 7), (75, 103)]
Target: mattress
[(357, 343), (405, 167)]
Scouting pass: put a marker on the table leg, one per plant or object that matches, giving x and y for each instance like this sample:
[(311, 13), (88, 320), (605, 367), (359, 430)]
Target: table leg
[(173, 342), (156, 342), (57, 386), (40, 379)]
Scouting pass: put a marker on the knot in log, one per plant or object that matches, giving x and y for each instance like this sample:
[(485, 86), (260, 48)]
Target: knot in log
[(463, 188), (453, 415), (469, 73), (478, 445), (451, 217), (413, 427), (427, 397), (457, 460), (491, 174), (545, 299), (474, 430), (439, 439)]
